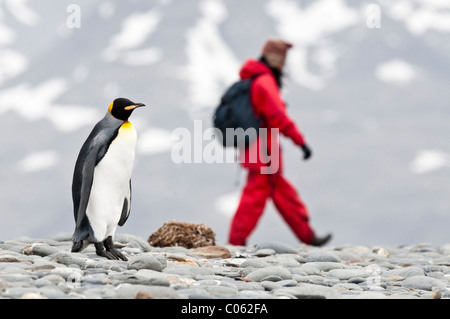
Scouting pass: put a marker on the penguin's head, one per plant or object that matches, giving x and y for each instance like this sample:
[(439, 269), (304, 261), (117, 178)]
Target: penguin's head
[(122, 108)]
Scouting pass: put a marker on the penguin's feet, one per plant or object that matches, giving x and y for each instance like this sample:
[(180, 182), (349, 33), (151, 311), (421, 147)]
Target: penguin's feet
[(109, 245), (110, 252)]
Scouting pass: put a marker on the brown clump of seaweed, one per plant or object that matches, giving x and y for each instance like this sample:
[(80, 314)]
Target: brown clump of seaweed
[(182, 234)]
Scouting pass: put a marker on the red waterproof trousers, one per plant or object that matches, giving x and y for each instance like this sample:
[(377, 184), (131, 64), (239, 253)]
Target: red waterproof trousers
[(258, 189)]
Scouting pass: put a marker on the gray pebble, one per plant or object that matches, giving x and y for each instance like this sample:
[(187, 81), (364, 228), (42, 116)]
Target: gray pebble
[(422, 283), (323, 257), (255, 263), (46, 269), (145, 261), (405, 272), (149, 277), (187, 270), (309, 291), (39, 249), (279, 248), (265, 252), (129, 291), (269, 273), (346, 274)]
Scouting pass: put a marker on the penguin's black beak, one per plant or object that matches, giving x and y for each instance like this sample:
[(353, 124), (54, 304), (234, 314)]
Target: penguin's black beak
[(134, 106)]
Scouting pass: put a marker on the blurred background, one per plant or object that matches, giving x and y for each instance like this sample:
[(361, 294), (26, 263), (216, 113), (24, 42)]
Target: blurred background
[(367, 83)]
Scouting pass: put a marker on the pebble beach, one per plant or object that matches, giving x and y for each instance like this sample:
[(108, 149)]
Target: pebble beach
[(46, 269)]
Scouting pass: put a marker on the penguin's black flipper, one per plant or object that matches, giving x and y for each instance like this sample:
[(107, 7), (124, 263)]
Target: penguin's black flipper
[(126, 208)]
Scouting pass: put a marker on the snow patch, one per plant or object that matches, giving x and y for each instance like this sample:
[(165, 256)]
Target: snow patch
[(106, 9), (135, 31), (39, 161), (306, 28), (80, 73), (228, 203), (396, 72), (154, 141), (429, 160), (212, 65), (22, 12), (142, 57), (37, 103), (419, 16), (12, 64), (7, 36)]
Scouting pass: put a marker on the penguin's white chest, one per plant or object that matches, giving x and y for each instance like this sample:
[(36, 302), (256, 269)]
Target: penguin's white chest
[(111, 184)]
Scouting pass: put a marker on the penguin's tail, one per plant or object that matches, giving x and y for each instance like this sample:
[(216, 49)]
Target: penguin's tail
[(77, 246), (79, 239)]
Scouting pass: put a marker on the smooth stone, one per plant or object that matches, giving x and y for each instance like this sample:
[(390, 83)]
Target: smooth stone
[(270, 285), (14, 278), (218, 290), (18, 292), (217, 287), (68, 273), (194, 293), (279, 248), (52, 292), (129, 291), (69, 259), (274, 273), (310, 269), (325, 265), (96, 279), (357, 280), (48, 280), (244, 285), (32, 295), (9, 259), (405, 272), (150, 277), (103, 263), (423, 283), (311, 279), (39, 249), (211, 252), (264, 252), (288, 261), (367, 295), (323, 257), (145, 262), (4, 285), (187, 270), (346, 274), (133, 241), (255, 263), (226, 272), (251, 294), (297, 271), (309, 291), (287, 283)]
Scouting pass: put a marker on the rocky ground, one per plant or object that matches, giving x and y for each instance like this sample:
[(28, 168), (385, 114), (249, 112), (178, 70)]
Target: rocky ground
[(45, 268)]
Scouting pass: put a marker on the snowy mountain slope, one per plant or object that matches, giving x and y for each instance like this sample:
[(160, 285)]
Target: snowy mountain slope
[(372, 102)]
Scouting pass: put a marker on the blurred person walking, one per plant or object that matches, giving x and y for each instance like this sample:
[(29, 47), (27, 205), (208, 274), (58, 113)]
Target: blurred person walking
[(267, 73)]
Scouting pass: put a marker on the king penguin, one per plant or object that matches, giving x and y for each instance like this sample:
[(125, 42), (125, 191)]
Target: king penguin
[(101, 186)]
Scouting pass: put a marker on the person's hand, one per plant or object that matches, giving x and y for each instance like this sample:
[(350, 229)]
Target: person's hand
[(307, 152)]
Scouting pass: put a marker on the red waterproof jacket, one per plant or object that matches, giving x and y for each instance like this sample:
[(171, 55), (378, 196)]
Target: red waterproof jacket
[(269, 106)]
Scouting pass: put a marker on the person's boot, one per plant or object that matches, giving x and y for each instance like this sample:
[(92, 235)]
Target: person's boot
[(320, 241)]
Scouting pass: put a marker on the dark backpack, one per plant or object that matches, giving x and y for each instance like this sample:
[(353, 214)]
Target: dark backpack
[(235, 112)]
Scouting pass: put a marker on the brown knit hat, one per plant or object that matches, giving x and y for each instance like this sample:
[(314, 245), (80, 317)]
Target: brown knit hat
[(275, 51)]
